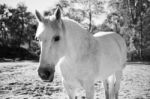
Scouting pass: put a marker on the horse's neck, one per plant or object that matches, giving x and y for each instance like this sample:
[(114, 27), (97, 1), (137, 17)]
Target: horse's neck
[(79, 40)]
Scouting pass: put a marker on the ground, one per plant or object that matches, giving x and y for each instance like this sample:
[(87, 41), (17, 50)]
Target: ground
[(19, 80)]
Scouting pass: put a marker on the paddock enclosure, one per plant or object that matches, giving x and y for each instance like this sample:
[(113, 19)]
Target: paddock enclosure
[(20, 80)]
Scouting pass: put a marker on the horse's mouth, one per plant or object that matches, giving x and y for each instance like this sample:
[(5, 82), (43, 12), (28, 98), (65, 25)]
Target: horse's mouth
[(51, 78), (46, 81)]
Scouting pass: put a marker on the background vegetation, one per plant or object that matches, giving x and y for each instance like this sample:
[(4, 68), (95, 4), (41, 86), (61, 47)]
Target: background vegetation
[(129, 18)]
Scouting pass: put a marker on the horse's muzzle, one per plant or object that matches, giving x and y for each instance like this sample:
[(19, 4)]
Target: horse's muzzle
[(46, 73)]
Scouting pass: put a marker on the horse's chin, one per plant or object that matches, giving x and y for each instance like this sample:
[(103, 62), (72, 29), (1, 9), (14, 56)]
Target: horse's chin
[(48, 81)]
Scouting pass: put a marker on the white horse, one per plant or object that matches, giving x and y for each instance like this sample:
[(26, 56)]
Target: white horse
[(85, 58)]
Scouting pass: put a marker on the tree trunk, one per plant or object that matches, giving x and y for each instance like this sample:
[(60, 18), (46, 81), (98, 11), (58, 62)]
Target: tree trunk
[(90, 19), (22, 31), (141, 35)]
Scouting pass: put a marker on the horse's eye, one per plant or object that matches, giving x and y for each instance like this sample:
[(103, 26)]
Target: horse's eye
[(56, 38)]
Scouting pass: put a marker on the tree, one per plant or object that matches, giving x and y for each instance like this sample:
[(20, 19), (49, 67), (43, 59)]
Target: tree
[(133, 13), (17, 25), (3, 21), (89, 9), (81, 10), (20, 25)]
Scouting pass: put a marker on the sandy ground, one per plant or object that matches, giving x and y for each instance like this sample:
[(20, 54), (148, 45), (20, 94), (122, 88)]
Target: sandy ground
[(19, 80)]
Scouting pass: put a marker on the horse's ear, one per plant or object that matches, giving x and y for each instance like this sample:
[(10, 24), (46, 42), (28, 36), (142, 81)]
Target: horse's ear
[(58, 13), (39, 17)]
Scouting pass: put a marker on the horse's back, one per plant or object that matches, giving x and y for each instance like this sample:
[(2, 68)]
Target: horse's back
[(112, 52), (112, 43)]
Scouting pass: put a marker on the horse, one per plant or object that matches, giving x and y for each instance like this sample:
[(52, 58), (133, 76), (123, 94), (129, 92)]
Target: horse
[(83, 58)]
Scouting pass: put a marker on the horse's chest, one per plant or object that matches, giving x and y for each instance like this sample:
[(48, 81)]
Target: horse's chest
[(78, 71)]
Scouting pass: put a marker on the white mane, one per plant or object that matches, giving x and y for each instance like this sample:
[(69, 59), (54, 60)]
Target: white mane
[(80, 40)]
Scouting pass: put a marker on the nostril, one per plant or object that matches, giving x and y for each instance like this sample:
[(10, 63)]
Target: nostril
[(47, 73), (44, 74)]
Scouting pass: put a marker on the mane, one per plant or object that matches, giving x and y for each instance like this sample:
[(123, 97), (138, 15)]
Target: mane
[(79, 39), (72, 22)]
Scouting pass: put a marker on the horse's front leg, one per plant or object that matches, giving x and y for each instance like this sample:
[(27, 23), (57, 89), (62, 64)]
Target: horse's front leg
[(89, 88), (106, 87), (118, 76), (109, 85), (71, 90), (90, 92)]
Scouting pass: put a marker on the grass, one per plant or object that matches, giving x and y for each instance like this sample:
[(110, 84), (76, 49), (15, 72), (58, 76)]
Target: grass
[(19, 80)]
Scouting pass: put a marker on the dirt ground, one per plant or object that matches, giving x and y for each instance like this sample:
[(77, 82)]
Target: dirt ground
[(19, 80)]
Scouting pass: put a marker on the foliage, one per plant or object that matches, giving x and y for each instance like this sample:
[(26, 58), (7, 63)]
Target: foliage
[(130, 18), (17, 26), (83, 11)]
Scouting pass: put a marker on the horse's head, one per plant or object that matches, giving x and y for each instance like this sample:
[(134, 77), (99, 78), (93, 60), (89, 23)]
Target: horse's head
[(51, 35)]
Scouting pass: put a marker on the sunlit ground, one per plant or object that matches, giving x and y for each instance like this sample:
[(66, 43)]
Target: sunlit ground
[(19, 80)]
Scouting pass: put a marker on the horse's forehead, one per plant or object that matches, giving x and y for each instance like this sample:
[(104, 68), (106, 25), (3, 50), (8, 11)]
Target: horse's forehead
[(54, 25), (50, 25)]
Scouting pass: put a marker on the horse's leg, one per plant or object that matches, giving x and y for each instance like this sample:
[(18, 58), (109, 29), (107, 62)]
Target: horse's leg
[(112, 80), (106, 87), (118, 76), (89, 88), (109, 86), (90, 92), (71, 91)]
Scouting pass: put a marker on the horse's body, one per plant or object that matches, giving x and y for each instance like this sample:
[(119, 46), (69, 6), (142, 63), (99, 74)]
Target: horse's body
[(85, 58)]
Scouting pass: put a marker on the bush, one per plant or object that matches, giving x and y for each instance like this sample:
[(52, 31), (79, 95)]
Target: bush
[(16, 53)]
